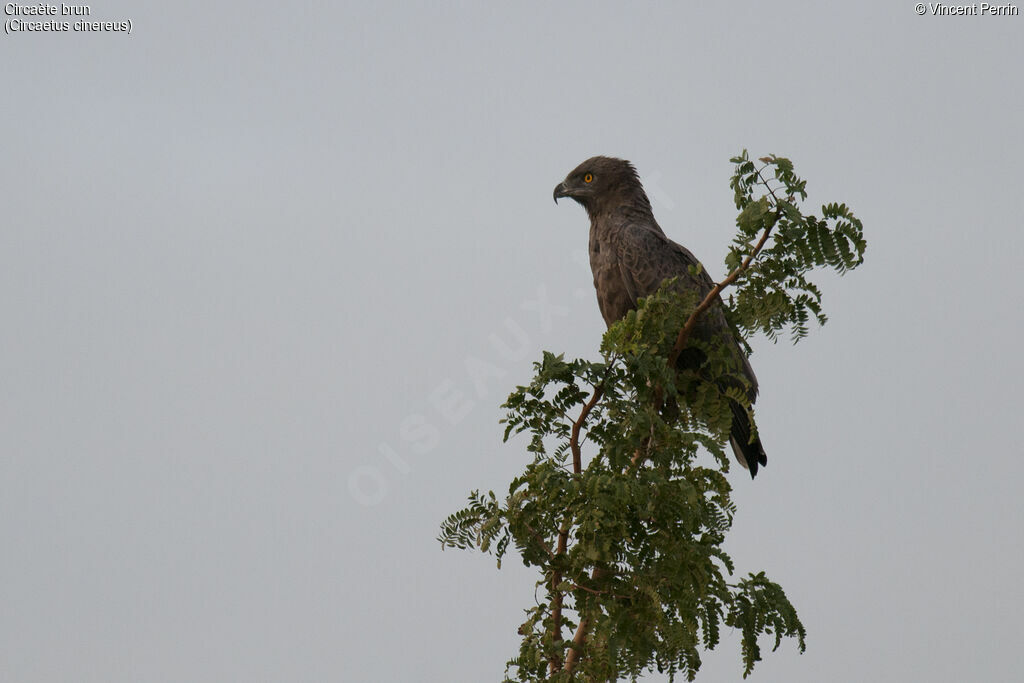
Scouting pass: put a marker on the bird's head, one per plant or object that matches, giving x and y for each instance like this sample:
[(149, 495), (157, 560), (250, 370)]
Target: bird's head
[(600, 181)]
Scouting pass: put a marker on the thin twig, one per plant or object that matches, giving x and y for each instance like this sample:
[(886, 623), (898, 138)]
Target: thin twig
[(594, 591), (540, 541)]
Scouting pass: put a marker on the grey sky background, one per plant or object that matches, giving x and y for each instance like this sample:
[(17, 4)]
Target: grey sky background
[(245, 250)]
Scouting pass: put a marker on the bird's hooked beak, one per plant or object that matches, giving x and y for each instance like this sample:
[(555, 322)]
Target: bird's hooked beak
[(560, 191)]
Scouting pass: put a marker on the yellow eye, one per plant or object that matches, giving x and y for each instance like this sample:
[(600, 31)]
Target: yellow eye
[(589, 178)]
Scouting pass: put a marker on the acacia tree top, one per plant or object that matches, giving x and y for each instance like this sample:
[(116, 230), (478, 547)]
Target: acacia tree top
[(628, 543)]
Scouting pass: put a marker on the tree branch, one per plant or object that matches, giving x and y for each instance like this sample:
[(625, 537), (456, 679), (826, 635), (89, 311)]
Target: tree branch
[(574, 438), (577, 645), (691, 322), (555, 661)]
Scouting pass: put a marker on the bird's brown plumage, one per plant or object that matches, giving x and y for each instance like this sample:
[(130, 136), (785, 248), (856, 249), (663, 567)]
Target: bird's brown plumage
[(631, 256)]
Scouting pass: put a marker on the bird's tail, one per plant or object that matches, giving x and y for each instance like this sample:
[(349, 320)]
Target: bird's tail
[(749, 454)]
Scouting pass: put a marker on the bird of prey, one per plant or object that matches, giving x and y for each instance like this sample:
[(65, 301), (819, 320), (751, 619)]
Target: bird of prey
[(631, 256)]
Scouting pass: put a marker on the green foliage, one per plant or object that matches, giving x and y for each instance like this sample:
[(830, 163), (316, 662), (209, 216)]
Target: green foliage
[(630, 543), (774, 293)]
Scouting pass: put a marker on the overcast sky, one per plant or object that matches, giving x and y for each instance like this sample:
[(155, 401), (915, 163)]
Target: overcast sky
[(249, 249)]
